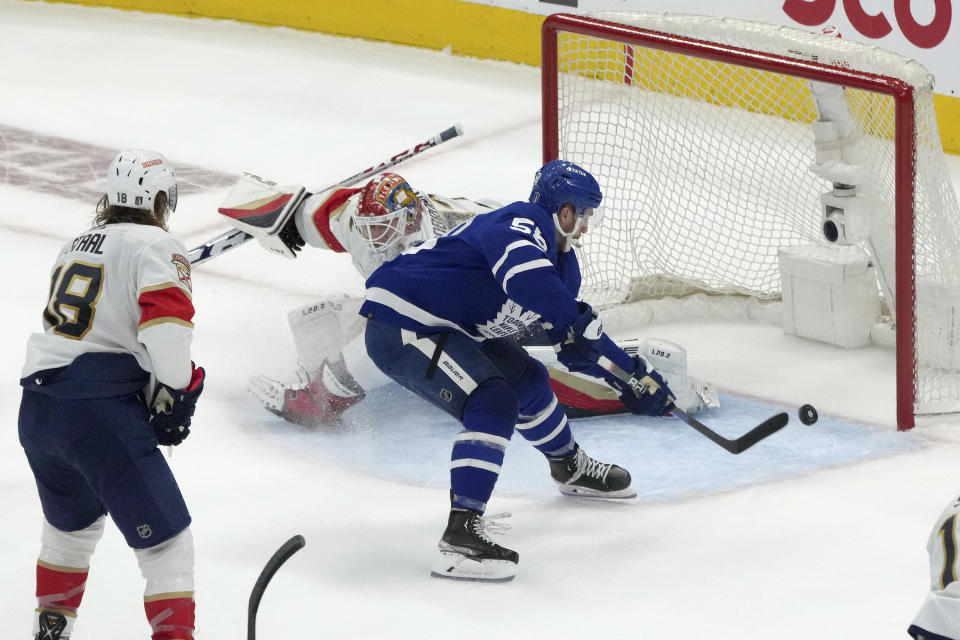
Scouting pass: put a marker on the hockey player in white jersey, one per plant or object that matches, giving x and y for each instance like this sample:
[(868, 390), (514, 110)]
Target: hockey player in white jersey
[(939, 616), (371, 224), (117, 329), (374, 224)]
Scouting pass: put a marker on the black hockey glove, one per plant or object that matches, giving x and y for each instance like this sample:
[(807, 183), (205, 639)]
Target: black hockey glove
[(290, 236), (172, 409), (580, 341), (646, 393)]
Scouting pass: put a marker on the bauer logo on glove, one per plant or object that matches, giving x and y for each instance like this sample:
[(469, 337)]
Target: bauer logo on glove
[(171, 410)]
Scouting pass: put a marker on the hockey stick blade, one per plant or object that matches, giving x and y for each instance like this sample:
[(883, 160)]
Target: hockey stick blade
[(738, 445), (235, 237), (282, 554)]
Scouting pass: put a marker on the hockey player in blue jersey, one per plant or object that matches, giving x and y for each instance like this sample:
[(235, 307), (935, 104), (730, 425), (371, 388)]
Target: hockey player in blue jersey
[(437, 318)]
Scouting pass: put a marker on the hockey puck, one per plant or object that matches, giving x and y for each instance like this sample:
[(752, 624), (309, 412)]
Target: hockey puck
[(808, 415)]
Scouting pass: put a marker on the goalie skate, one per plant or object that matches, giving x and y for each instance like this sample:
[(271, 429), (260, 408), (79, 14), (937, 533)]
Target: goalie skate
[(468, 553), (306, 402)]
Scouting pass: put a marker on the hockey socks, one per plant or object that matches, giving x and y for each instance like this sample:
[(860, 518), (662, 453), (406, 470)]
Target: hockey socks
[(171, 615), (59, 592), (548, 430), (488, 421), (62, 568), (168, 596)]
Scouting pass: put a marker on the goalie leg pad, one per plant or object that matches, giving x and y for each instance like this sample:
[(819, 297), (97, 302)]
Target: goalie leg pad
[(321, 328), (584, 396), (670, 360), (312, 400)]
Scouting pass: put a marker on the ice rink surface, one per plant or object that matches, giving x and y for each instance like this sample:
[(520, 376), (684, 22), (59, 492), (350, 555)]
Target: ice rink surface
[(818, 532)]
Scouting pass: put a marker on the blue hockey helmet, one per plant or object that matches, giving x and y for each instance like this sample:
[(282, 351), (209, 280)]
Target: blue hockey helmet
[(560, 182)]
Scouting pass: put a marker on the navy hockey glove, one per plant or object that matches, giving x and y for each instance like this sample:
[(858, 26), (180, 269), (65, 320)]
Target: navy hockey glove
[(646, 393), (172, 409), (580, 341)]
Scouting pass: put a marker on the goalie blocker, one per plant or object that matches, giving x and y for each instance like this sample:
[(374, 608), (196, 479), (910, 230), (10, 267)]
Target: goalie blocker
[(262, 208)]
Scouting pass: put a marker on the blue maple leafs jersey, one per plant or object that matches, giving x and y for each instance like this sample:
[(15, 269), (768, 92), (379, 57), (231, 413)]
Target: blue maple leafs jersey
[(488, 278)]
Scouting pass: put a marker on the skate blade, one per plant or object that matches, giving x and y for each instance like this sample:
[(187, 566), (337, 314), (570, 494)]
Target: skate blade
[(582, 492), (456, 566)]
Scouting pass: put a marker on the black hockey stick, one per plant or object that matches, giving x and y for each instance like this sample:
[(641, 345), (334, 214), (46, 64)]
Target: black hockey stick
[(737, 445), (283, 554), (235, 237)]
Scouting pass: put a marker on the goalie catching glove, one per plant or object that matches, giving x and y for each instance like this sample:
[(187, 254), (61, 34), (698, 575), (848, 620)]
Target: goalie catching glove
[(580, 345), (171, 409), (646, 393)]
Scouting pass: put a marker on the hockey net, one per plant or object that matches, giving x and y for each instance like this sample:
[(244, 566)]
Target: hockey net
[(700, 132)]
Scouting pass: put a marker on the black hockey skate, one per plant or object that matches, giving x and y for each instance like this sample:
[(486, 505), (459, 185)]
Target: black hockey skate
[(468, 553), (580, 475), (52, 626)]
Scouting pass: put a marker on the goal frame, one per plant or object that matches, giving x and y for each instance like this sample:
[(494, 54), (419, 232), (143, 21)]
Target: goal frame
[(904, 145)]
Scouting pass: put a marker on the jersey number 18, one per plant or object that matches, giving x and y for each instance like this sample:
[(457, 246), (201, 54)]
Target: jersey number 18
[(74, 291)]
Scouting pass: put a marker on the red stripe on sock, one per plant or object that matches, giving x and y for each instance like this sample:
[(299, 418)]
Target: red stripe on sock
[(60, 590), (171, 618)]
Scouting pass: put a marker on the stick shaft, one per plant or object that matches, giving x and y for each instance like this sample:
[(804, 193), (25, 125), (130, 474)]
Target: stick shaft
[(234, 238), (766, 428)]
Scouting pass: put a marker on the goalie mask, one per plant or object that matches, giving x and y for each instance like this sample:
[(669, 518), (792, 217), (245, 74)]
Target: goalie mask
[(136, 176), (388, 210)]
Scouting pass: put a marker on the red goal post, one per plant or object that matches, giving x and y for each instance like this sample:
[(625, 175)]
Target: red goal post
[(583, 61)]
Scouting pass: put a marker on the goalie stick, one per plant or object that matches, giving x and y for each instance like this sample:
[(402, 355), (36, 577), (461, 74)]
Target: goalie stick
[(738, 445), (235, 237), (282, 554)]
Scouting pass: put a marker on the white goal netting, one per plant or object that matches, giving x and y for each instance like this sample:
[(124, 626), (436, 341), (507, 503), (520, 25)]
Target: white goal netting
[(706, 170)]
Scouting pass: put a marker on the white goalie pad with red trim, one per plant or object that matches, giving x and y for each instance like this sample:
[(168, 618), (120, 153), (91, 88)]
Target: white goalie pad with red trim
[(583, 395)]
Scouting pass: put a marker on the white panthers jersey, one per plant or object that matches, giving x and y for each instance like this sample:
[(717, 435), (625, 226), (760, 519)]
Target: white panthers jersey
[(325, 220), (940, 613), (120, 288)]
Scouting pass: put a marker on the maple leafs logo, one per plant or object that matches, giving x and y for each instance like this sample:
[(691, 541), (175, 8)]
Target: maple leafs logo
[(509, 320)]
